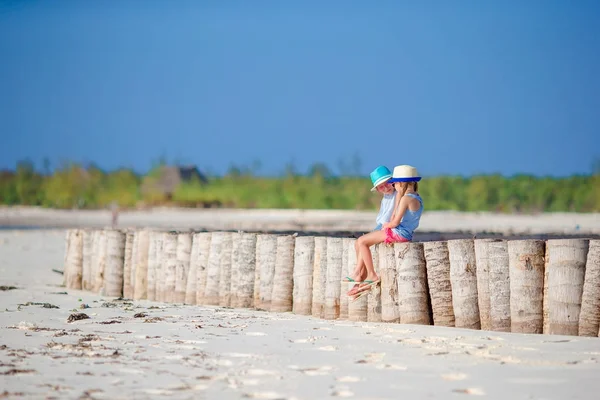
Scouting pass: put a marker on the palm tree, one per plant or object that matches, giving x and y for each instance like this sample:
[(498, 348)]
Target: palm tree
[(319, 277), (566, 264), (438, 278), (115, 252), (281, 297), (526, 265), (589, 319), (412, 283), (333, 284), (304, 251), (464, 283), (266, 256)]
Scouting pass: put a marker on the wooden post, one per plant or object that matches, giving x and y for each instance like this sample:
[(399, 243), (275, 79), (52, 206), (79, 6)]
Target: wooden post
[(283, 285), (438, 279), (161, 267), (411, 276), (211, 290), (526, 264), (88, 249), (246, 275), (154, 240), (374, 296), (483, 282), (304, 260), (140, 250), (66, 257), (499, 283), (192, 277), (333, 285), (115, 255), (347, 246), (266, 256), (357, 309), (464, 283), (567, 258), (203, 242), (236, 238), (390, 305), (169, 266), (319, 277), (589, 318), (100, 263), (127, 260), (182, 266), (74, 264)]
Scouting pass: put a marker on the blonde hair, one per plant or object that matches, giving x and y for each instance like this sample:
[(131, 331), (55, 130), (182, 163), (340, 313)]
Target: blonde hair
[(404, 187)]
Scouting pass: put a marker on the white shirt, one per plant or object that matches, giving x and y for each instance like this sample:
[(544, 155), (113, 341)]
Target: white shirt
[(386, 209)]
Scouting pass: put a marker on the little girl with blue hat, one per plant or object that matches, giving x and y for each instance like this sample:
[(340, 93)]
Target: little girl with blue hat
[(380, 178)]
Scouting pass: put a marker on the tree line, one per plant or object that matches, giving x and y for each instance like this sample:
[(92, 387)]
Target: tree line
[(89, 187)]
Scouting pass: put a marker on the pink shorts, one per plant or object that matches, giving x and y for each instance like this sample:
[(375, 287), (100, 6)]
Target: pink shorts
[(393, 237)]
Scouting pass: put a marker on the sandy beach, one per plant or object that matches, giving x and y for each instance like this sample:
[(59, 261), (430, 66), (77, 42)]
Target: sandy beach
[(441, 222), (138, 350)]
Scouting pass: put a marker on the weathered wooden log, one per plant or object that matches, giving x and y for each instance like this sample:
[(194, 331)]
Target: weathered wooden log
[(140, 256), (236, 238), (266, 256), (100, 263), (182, 267), (589, 318), (203, 242), (88, 249), (483, 281), (566, 264), (390, 305), (526, 264), (346, 243), (463, 270), (319, 277), (115, 255), (333, 284), (357, 309), (66, 256), (438, 279), (411, 276), (246, 271), (283, 285), (74, 262), (169, 266), (127, 261), (192, 277), (374, 307), (161, 267), (304, 260), (213, 273), (499, 283), (154, 244)]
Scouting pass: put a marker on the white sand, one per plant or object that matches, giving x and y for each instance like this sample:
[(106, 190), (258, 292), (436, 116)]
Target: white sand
[(307, 220), (209, 352)]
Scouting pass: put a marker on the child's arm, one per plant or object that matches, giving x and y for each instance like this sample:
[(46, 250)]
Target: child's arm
[(396, 203), (398, 213)]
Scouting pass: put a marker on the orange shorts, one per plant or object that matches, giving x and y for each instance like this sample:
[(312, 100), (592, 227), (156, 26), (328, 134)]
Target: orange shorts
[(393, 237)]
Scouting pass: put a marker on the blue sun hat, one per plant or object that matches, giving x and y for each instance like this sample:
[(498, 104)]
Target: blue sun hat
[(405, 173), (379, 176)]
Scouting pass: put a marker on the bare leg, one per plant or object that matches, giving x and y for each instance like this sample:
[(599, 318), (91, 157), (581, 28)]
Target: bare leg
[(364, 243)]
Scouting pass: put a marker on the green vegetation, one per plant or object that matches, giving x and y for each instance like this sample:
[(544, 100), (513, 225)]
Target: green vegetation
[(73, 186)]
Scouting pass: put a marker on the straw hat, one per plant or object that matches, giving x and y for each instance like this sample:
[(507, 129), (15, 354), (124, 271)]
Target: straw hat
[(379, 176), (405, 173)]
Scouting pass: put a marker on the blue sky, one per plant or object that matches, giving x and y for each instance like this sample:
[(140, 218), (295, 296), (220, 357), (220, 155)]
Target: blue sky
[(502, 87)]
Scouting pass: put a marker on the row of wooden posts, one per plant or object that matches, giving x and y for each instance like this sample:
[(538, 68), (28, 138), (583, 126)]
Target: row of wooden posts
[(526, 286)]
